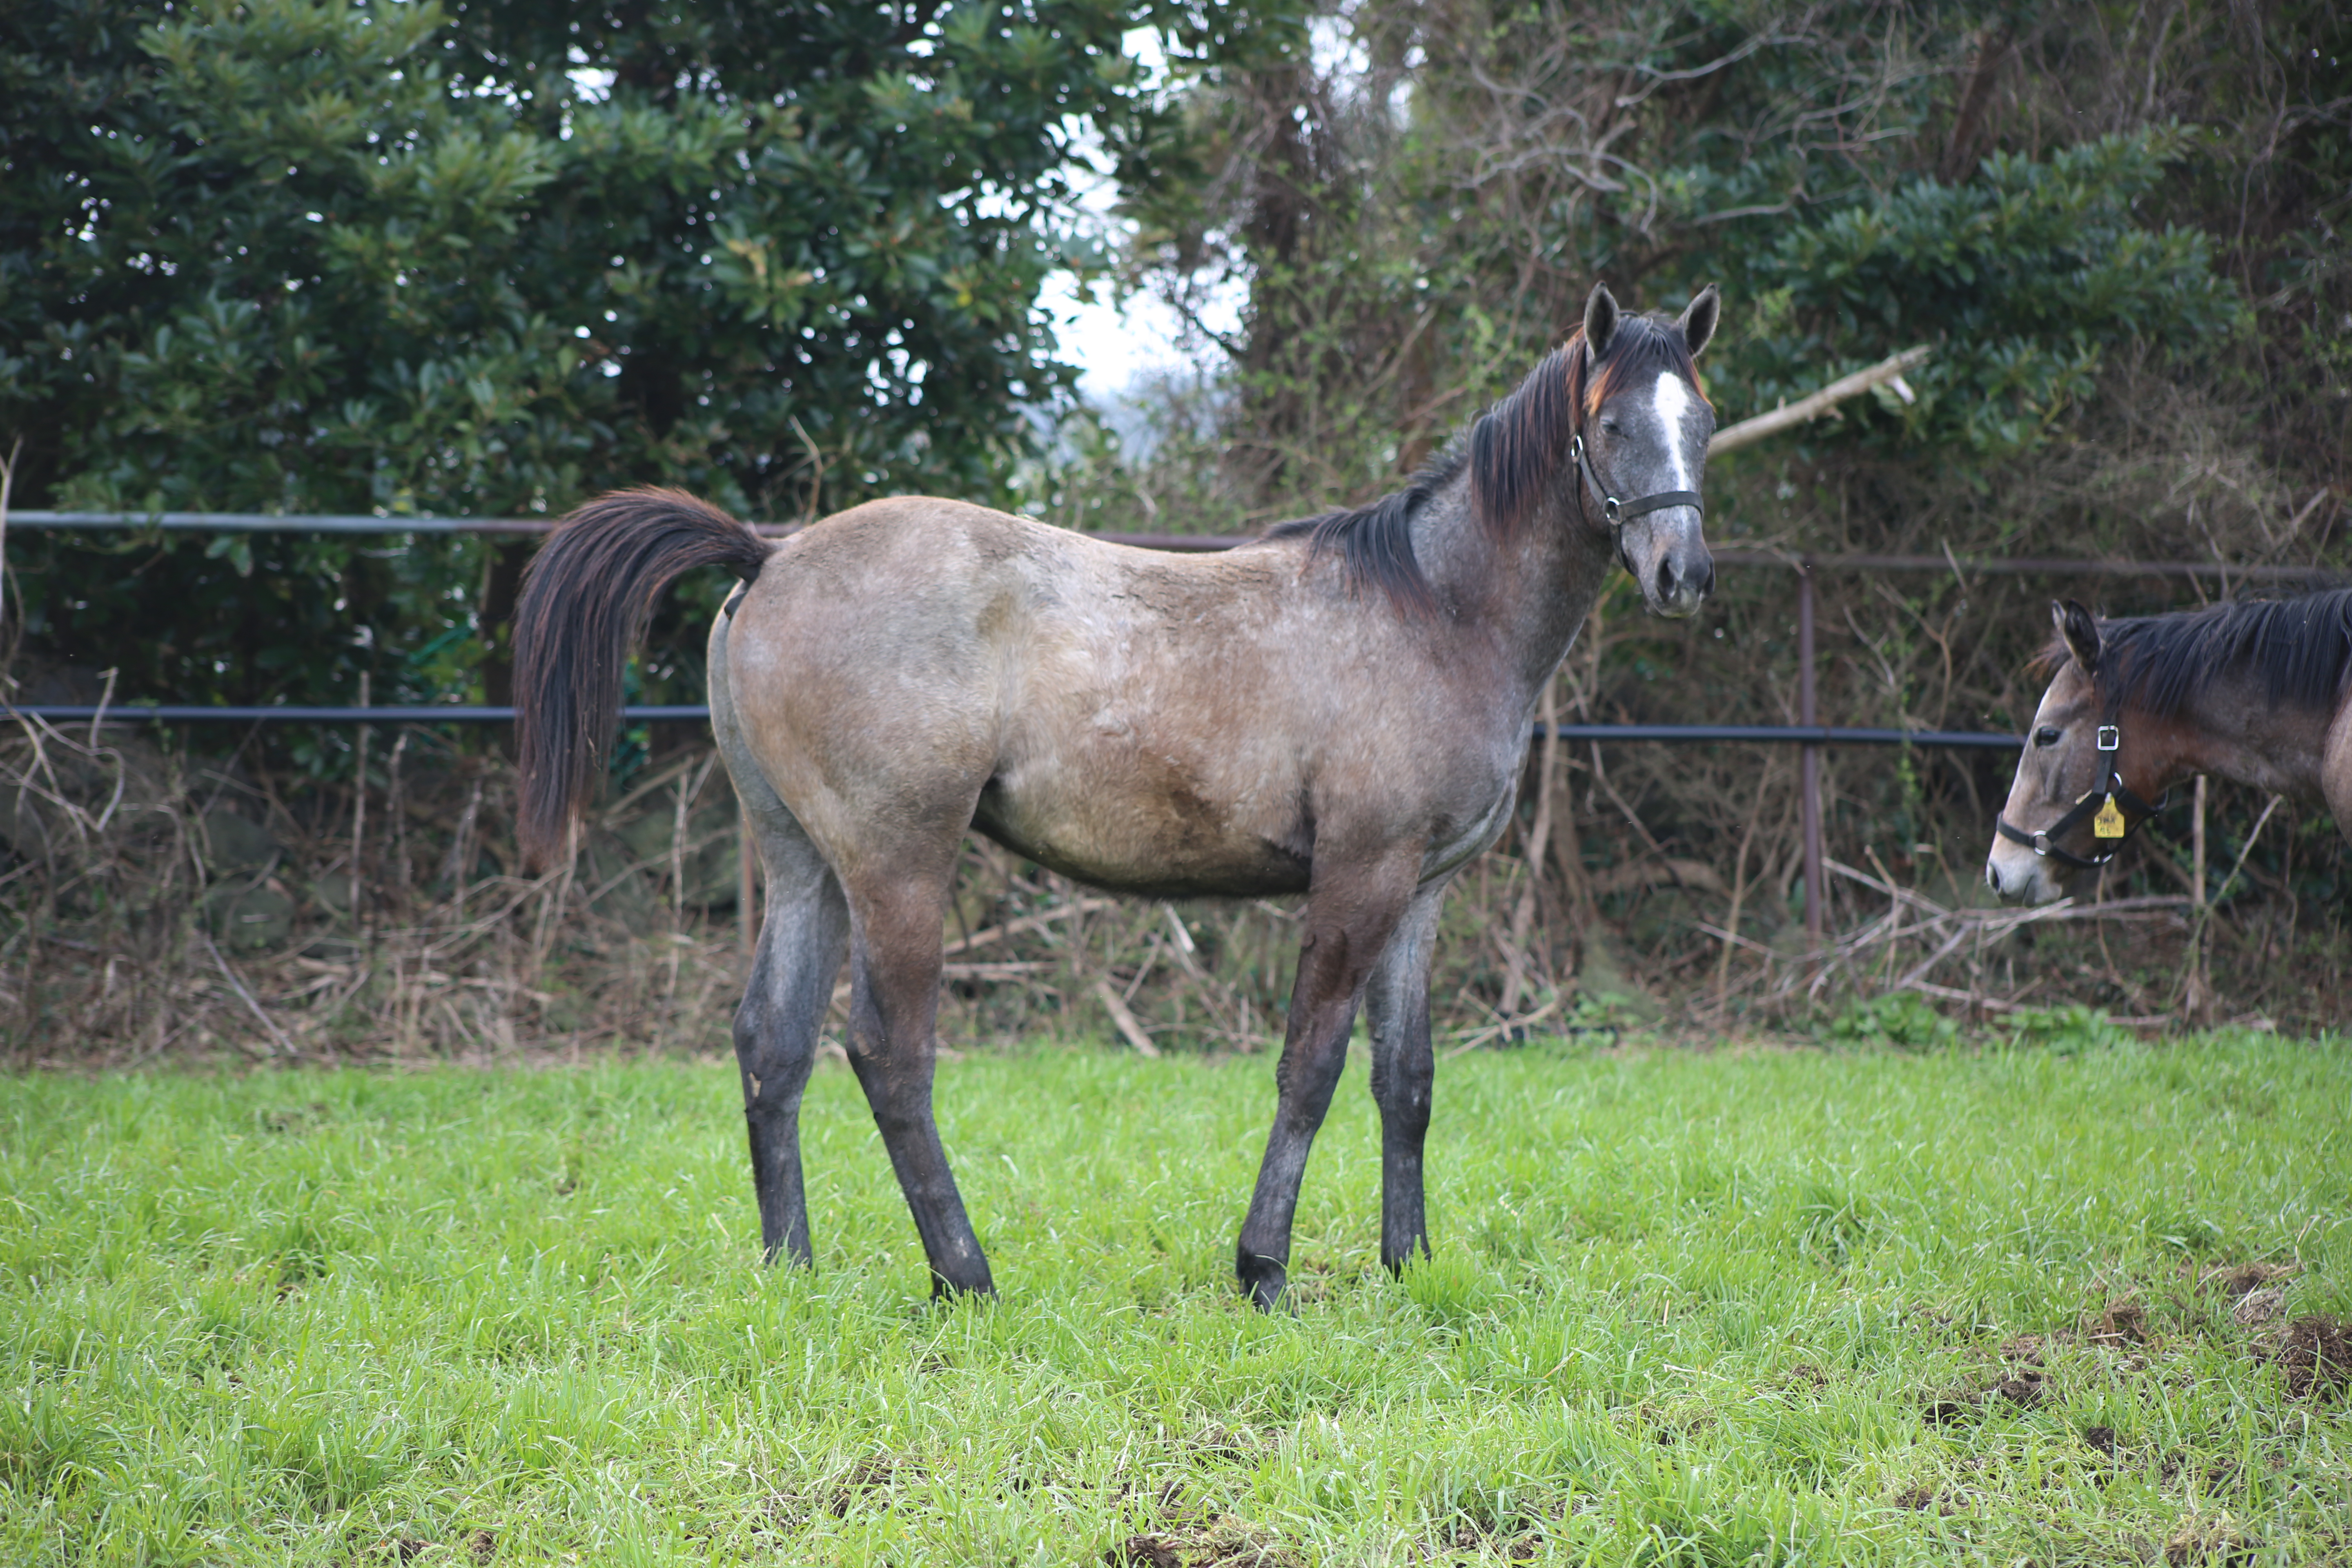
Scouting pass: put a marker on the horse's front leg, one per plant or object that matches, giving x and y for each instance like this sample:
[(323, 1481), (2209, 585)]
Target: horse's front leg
[(1353, 908), (1396, 1007)]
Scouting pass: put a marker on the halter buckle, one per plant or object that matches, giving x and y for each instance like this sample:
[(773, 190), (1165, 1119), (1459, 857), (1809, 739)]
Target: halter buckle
[(1609, 505), (2110, 738)]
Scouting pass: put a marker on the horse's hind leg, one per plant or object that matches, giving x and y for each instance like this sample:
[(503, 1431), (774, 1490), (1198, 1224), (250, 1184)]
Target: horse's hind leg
[(802, 941), (1396, 1008), (894, 963)]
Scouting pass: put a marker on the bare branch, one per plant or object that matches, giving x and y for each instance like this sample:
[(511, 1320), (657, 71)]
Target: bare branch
[(1748, 432)]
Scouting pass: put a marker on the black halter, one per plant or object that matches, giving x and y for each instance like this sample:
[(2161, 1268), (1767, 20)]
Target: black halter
[(1620, 513), (2108, 795)]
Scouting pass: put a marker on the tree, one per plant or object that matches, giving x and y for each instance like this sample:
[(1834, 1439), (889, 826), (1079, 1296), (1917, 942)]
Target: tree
[(2029, 188), (487, 258)]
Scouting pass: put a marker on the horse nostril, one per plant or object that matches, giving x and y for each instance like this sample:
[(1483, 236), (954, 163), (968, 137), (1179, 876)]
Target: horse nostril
[(1992, 878), (1706, 583), (1670, 576)]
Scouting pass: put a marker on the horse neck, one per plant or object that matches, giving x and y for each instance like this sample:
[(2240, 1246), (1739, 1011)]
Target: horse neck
[(2230, 729), (1522, 598)]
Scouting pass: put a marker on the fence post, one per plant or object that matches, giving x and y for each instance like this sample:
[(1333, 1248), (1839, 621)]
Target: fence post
[(359, 814), (1809, 784)]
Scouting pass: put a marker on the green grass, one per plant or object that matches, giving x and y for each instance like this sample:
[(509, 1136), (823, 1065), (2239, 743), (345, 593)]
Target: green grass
[(1686, 1308)]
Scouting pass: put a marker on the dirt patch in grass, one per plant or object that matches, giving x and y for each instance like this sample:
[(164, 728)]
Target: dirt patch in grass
[(293, 1118), (2237, 1279), (874, 1473), (1805, 1374), (2024, 1391), (2313, 1352), (1467, 1535), (1928, 1500), (2120, 1323), (2208, 1539), (1222, 1541), (478, 1547), (2022, 1384), (2257, 1291), (1245, 1446), (2256, 1307), (840, 1495), (1199, 1535)]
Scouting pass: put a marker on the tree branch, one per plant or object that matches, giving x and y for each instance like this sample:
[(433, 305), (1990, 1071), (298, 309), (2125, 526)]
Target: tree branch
[(1748, 432)]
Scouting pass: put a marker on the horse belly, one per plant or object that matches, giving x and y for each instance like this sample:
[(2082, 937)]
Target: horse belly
[(1170, 842)]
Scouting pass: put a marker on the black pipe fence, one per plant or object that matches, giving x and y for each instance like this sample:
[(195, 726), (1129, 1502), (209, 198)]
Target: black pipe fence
[(451, 713), (1807, 734)]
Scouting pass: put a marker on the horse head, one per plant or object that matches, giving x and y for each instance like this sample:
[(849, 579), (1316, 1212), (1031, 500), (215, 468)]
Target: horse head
[(2072, 805), (1639, 444)]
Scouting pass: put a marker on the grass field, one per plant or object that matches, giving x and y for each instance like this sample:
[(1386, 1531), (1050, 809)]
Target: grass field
[(1741, 1307)]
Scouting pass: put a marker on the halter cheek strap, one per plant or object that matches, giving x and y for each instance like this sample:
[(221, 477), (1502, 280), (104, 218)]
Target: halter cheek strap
[(2110, 795), (1620, 513)]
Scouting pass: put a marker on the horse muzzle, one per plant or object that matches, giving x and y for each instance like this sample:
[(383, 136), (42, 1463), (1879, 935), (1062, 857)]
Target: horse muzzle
[(2018, 876), (1668, 557)]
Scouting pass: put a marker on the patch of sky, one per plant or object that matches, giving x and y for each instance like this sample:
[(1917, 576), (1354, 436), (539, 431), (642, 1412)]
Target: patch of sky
[(1130, 346)]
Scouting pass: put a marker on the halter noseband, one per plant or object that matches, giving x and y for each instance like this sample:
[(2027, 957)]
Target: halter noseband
[(2116, 812)]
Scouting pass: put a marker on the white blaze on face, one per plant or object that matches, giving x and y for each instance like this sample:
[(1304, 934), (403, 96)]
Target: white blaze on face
[(1673, 401)]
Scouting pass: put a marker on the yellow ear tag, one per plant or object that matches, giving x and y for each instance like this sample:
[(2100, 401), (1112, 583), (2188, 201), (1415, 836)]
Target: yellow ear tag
[(2109, 822)]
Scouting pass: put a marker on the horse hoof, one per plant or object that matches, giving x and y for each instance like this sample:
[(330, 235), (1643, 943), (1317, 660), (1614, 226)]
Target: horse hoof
[(1265, 1290)]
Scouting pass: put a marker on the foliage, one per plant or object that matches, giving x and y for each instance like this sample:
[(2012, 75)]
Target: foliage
[(1417, 220), (486, 258), (2065, 1031), (2119, 230), (2020, 278), (1898, 1019), (1733, 1308)]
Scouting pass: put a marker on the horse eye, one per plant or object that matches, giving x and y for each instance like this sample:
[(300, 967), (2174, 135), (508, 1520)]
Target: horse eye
[(1609, 427), (2045, 736)]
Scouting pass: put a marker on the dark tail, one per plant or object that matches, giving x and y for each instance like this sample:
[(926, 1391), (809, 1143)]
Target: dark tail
[(585, 601)]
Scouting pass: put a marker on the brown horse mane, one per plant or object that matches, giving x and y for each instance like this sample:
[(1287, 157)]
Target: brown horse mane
[(1513, 452), (2301, 649)]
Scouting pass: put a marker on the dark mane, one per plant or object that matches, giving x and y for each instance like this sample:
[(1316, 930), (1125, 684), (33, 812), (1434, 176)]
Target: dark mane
[(1513, 453), (1375, 541), (2301, 650)]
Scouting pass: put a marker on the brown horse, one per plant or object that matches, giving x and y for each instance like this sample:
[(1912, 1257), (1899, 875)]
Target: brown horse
[(1340, 709), (2254, 691)]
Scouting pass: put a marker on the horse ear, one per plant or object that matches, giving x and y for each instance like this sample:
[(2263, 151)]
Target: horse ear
[(2080, 631), (1600, 319), (1700, 317)]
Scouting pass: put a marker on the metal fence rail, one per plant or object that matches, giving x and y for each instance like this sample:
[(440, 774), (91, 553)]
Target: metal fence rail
[(452, 713), (413, 713)]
